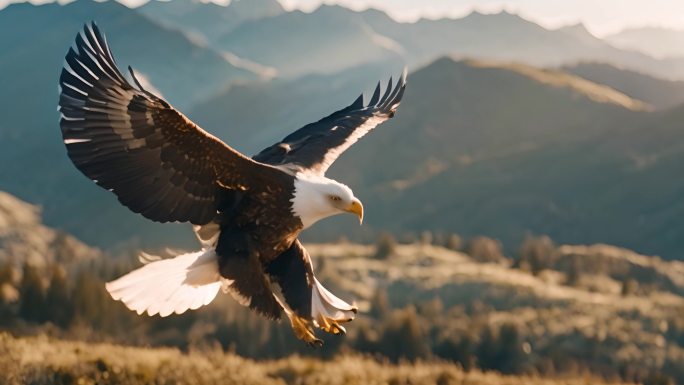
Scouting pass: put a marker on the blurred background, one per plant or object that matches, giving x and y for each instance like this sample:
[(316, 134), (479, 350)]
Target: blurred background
[(525, 208)]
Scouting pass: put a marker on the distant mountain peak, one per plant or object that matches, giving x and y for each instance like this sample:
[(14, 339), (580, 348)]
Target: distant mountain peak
[(341, 11), (249, 8), (578, 30), (333, 8), (577, 27), (178, 1), (503, 13), (503, 17)]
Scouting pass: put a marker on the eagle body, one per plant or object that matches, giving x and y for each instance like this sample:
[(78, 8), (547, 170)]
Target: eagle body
[(264, 212), (255, 226), (247, 212)]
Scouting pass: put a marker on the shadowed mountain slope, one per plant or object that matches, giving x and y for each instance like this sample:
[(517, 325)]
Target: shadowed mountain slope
[(208, 20)]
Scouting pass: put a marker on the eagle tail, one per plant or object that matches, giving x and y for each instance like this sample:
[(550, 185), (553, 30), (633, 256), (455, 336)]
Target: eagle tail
[(328, 311), (173, 285)]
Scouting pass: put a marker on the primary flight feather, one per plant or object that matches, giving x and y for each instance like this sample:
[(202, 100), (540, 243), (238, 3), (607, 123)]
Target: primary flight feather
[(246, 212)]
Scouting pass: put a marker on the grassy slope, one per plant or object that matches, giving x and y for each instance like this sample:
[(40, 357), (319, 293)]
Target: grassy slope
[(660, 93), (548, 312), (40, 360)]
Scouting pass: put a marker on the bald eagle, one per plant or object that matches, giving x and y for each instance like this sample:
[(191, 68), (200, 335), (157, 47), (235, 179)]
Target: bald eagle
[(247, 212)]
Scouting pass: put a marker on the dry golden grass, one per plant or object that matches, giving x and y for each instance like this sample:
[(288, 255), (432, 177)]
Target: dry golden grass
[(597, 92), (42, 360)]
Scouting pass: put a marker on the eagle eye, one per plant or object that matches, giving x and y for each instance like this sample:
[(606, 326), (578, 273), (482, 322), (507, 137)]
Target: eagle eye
[(335, 198)]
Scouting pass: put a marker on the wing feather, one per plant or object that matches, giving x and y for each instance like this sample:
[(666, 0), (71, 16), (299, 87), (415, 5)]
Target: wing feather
[(314, 147), (133, 143)]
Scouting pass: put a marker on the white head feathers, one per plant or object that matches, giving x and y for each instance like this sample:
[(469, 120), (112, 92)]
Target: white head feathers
[(317, 197)]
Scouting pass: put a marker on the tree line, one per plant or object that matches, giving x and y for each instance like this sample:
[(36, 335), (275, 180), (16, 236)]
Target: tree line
[(71, 302)]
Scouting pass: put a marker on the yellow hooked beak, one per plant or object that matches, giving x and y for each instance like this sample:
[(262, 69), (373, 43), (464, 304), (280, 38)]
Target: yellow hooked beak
[(356, 207)]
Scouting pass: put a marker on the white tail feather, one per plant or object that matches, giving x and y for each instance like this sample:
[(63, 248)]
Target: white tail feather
[(324, 303), (172, 285)]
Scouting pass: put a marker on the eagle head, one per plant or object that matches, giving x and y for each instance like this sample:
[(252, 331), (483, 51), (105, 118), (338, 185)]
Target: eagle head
[(317, 197)]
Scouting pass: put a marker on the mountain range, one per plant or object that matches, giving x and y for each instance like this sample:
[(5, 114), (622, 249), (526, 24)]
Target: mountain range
[(334, 38), (506, 129), (209, 20)]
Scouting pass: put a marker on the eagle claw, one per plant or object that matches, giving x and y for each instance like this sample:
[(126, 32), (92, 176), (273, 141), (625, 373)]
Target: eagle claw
[(331, 326), (303, 330)]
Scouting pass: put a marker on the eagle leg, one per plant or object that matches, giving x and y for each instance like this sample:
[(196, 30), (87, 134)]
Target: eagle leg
[(306, 302), (303, 330)]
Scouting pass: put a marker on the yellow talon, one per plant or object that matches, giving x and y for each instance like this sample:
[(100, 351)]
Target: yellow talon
[(303, 330), (330, 325)]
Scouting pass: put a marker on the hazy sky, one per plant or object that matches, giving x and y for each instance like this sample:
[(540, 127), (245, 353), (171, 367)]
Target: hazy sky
[(600, 16)]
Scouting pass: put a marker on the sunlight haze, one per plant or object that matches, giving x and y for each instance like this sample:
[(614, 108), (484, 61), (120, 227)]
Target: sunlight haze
[(601, 17)]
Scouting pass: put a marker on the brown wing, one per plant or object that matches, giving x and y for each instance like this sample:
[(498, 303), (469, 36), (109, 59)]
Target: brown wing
[(314, 147), (133, 143)]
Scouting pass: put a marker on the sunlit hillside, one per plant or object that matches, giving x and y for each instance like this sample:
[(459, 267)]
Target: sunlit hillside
[(42, 360), (545, 310), (24, 238)]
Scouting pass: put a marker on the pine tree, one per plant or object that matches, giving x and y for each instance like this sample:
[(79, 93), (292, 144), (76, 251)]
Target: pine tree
[(58, 304), (32, 295), (91, 303), (6, 273), (7, 293), (403, 337), (574, 273), (536, 254), (486, 250), (365, 341), (454, 242), (486, 349), (510, 355), (380, 306), (457, 349), (385, 247)]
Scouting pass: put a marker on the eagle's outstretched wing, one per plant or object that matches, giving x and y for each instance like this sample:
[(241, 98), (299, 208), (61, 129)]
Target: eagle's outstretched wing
[(314, 147), (133, 143)]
